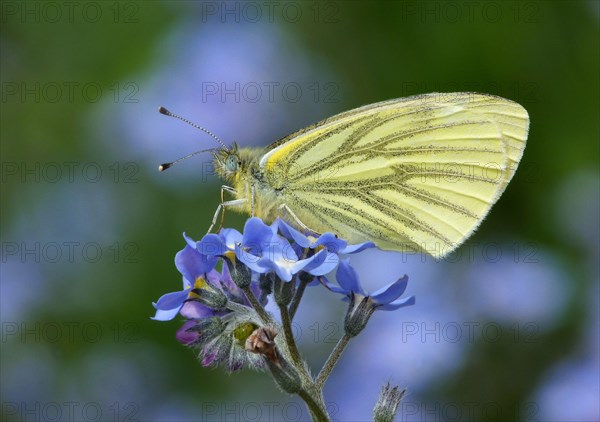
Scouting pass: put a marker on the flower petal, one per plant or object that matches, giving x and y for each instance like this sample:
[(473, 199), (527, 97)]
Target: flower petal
[(348, 279), (249, 260), (192, 309), (172, 300), (314, 283), (331, 242), (165, 315), (321, 263), (231, 237), (212, 245), (189, 240), (292, 234), (391, 292), (256, 234), (192, 264), (357, 248), (329, 285), (400, 303), (284, 272)]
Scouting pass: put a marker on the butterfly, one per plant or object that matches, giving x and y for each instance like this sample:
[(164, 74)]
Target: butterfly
[(409, 174)]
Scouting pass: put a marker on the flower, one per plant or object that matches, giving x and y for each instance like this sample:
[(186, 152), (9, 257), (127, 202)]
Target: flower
[(327, 240), (385, 299), (263, 250), (362, 304), (222, 244), (195, 269)]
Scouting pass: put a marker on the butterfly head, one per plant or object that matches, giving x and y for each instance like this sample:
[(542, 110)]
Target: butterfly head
[(228, 162)]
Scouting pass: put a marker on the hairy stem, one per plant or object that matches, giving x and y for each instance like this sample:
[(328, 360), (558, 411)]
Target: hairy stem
[(260, 310), (289, 338), (297, 298), (316, 406), (331, 361)]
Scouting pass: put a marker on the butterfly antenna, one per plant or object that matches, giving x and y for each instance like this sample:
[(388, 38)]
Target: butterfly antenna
[(165, 166), (166, 112)]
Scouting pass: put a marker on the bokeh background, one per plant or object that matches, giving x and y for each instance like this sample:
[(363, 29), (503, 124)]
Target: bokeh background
[(506, 329)]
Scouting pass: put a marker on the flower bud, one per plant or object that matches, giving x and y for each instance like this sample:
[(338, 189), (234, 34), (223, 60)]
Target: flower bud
[(240, 274), (213, 298), (217, 351), (387, 404), (359, 312), (265, 282), (283, 292), (206, 329), (285, 375)]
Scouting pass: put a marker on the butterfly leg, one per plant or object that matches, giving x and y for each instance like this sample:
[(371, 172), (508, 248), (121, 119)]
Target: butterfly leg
[(224, 188), (221, 208), (252, 204), (303, 226)]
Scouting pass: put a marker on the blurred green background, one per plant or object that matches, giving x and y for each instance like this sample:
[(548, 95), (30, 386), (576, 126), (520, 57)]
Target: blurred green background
[(507, 329)]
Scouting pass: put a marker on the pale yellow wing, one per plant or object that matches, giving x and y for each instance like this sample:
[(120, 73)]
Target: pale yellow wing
[(411, 174)]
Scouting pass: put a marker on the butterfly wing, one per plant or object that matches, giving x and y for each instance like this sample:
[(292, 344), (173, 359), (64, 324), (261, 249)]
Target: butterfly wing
[(411, 174)]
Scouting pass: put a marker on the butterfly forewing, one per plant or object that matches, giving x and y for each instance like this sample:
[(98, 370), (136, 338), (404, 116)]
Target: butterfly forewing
[(413, 174)]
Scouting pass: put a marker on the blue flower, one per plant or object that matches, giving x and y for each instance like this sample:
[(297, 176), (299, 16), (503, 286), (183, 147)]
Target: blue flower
[(263, 250), (327, 240), (385, 299), (362, 305), (222, 244), (194, 268)]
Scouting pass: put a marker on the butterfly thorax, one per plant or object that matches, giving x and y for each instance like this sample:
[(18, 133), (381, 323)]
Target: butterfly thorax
[(239, 167)]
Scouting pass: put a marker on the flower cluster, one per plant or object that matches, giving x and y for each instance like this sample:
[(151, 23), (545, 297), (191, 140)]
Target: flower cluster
[(228, 278)]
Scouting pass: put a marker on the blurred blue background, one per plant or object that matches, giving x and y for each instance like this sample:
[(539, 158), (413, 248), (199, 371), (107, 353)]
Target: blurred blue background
[(505, 329)]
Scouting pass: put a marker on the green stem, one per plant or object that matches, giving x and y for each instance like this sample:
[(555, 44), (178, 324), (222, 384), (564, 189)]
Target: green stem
[(331, 361), (297, 298), (316, 407), (289, 338), (300, 290), (260, 310)]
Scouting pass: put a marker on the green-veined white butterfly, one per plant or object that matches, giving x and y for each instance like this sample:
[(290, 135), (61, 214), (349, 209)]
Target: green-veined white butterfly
[(410, 174)]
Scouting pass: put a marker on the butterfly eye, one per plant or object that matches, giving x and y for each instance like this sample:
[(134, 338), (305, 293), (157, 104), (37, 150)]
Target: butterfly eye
[(232, 163)]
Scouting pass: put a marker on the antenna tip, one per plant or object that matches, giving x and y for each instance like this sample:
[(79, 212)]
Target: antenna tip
[(164, 166), (163, 110)]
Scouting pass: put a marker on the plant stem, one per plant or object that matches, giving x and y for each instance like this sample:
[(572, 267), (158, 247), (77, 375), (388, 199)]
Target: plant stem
[(310, 392), (297, 298), (331, 361), (315, 406), (260, 310), (289, 337)]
